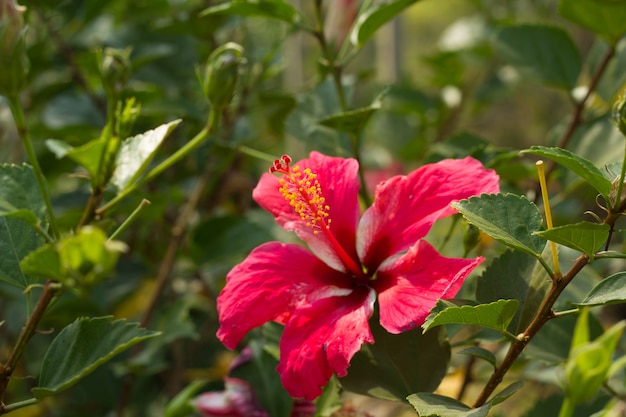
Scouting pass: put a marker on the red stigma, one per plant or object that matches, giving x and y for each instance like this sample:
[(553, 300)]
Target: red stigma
[(281, 165)]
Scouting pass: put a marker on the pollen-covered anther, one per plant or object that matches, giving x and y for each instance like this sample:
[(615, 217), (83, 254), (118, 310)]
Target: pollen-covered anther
[(302, 190)]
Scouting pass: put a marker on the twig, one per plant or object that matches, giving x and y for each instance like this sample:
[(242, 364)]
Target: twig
[(6, 370)]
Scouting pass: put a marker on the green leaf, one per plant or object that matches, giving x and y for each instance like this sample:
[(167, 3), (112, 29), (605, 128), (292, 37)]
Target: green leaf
[(20, 196), (260, 371), (77, 261), (581, 166), (434, 405), (542, 52), (352, 121), (496, 315), (526, 281), (611, 290), (508, 218), (83, 346), (585, 237), (606, 18), (136, 153), (88, 155), (44, 263), (397, 365), (274, 9), (181, 405), (369, 22), (481, 353), (58, 147), (20, 199)]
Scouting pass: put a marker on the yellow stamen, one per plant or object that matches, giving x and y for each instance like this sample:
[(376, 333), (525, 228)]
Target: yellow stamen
[(303, 192), (546, 206)]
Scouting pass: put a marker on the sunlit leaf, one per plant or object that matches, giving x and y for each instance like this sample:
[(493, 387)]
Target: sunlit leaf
[(585, 237), (543, 52), (611, 290), (369, 22), (136, 153), (75, 260), (83, 346), (496, 315), (606, 18), (508, 218), (581, 166), (274, 9), (397, 365)]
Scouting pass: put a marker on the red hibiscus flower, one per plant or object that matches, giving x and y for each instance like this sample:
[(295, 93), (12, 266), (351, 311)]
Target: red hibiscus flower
[(324, 295)]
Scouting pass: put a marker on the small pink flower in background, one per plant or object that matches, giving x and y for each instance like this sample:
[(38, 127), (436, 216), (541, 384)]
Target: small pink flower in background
[(324, 295)]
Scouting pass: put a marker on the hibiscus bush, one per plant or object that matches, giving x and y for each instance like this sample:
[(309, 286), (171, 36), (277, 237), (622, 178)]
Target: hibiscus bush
[(250, 208)]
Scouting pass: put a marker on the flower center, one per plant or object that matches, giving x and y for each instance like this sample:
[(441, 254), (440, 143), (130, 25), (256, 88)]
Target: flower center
[(303, 192)]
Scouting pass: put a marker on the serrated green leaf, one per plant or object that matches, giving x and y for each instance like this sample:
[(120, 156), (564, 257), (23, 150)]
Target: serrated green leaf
[(543, 52), (611, 290), (606, 18), (508, 218), (274, 9), (496, 315), (136, 153), (397, 365), (369, 22), (481, 353), (514, 275), (83, 346), (585, 237), (577, 164), (434, 405), (20, 200)]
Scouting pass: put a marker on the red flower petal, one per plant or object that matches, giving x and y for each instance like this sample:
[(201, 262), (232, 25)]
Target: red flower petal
[(409, 286), (405, 207), (321, 338), (338, 178), (268, 284)]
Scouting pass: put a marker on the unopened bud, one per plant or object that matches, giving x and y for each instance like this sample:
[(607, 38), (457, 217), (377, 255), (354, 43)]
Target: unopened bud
[(13, 59), (221, 76), (619, 113), (115, 67)]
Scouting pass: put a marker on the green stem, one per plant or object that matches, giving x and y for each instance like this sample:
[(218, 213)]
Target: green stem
[(5, 409), (130, 219), (336, 71), (24, 134), (567, 408), (620, 184), (173, 159)]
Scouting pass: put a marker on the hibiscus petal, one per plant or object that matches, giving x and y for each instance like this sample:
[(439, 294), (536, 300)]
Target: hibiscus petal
[(409, 285), (268, 284), (405, 207), (338, 179), (321, 338)]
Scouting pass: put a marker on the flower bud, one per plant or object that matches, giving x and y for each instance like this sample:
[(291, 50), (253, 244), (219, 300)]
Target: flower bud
[(221, 76), (619, 113), (13, 58), (115, 67)]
